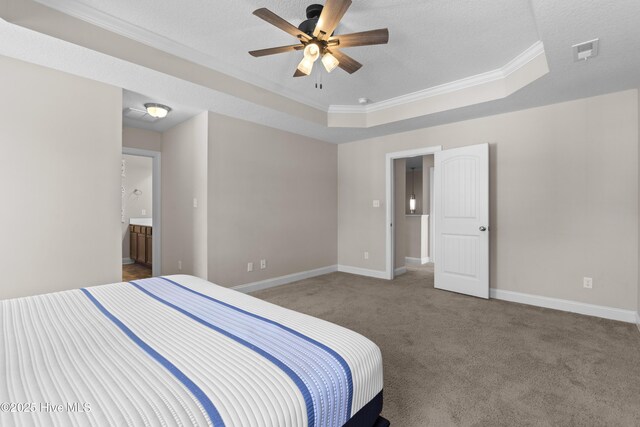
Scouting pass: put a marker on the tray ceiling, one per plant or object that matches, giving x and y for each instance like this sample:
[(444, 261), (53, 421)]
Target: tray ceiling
[(432, 43)]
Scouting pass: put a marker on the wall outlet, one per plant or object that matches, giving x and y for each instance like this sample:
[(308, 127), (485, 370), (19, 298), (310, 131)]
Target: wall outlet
[(263, 264), (180, 265), (587, 282), (144, 211), (195, 202), (376, 203), (366, 255), (249, 266)]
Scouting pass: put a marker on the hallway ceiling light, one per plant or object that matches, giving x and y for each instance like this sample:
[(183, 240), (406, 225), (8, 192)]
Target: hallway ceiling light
[(158, 111)]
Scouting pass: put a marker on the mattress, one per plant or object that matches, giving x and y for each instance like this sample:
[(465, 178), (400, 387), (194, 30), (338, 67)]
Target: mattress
[(177, 351)]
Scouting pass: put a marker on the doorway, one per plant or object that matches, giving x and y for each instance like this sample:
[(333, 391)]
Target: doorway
[(412, 209), (140, 214), (458, 215)]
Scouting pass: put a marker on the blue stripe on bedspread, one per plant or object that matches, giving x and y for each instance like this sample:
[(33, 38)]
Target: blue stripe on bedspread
[(323, 376), (214, 415)]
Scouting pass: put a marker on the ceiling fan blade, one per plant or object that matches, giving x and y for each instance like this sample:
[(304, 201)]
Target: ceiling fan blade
[(330, 17), (277, 21), (364, 38), (298, 73), (275, 50), (347, 63)]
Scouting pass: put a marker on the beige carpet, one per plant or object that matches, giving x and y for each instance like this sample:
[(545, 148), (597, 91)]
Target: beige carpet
[(456, 360)]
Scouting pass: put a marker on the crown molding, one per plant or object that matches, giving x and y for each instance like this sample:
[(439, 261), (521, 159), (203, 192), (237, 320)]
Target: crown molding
[(124, 28), (145, 46), (533, 52)]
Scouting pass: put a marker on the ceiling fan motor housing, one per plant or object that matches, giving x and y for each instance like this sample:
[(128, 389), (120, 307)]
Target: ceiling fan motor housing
[(313, 13)]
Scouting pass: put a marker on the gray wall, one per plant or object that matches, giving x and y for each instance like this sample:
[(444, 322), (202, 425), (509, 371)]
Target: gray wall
[(184, 177), (563, 197), (272, 195), (142, 139), (59, 179), (262, 194), (139, 176)]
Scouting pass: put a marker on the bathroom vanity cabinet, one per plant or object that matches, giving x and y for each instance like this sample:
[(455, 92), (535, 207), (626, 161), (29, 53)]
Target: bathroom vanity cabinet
[(140, 243)]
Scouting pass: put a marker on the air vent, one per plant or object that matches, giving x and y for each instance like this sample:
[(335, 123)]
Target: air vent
[(136, 114), (586, 50)]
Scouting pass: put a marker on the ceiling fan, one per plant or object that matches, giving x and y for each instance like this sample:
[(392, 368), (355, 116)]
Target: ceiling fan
[(316, 38)]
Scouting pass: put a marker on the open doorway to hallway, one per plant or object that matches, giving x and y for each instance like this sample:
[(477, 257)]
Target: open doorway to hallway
[(413, 213)]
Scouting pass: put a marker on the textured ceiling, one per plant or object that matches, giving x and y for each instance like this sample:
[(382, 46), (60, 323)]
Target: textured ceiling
[(559, 24), (431, 42)]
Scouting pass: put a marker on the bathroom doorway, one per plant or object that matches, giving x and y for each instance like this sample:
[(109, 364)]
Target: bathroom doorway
[(140, 214)]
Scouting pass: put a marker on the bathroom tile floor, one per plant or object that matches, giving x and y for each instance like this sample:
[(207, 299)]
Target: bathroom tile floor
[(135, 271)]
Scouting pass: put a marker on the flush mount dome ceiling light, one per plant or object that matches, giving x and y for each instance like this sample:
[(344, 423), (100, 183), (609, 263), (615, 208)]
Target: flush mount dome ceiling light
[(158, 111), (316, 38)]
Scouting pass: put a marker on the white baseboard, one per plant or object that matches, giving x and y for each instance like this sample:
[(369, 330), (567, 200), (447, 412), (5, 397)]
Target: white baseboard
[(416, 261), (283, 280), (628, 316), (638, 320), (127, 261), (400, 270), (362, 271)]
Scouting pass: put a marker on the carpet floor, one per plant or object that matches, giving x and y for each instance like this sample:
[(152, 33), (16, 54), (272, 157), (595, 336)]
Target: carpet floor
[(453, 360)]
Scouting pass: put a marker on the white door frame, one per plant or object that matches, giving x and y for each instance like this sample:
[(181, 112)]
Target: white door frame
[(390, 157), (157, 204)]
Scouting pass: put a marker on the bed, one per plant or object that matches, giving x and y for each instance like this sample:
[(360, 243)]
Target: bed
[(180, 351)]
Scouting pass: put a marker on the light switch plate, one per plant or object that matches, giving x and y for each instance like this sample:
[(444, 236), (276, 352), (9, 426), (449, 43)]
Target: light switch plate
[(376, 203)]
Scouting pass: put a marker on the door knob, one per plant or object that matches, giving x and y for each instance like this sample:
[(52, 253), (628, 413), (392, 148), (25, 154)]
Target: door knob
[(483, 228)]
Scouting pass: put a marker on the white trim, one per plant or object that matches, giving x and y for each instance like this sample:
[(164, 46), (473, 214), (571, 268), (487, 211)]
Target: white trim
[(621, 315), (400, 270), (156, 156), (127, 261), (362, 271), (389, 158), (512, 66), (415, 261), (638, 320), (283, 280)]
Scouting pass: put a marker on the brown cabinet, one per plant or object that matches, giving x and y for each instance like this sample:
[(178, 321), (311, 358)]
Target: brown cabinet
[(141, 243)]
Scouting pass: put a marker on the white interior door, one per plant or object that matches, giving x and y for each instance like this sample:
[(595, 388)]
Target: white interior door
[(462, 220)]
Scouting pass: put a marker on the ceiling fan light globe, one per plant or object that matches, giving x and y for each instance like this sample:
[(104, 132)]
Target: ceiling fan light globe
[(306, 65), (330, 62), (312, 52)]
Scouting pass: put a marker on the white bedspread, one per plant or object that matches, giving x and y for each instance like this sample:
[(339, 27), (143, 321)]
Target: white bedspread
[(177, 351)]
